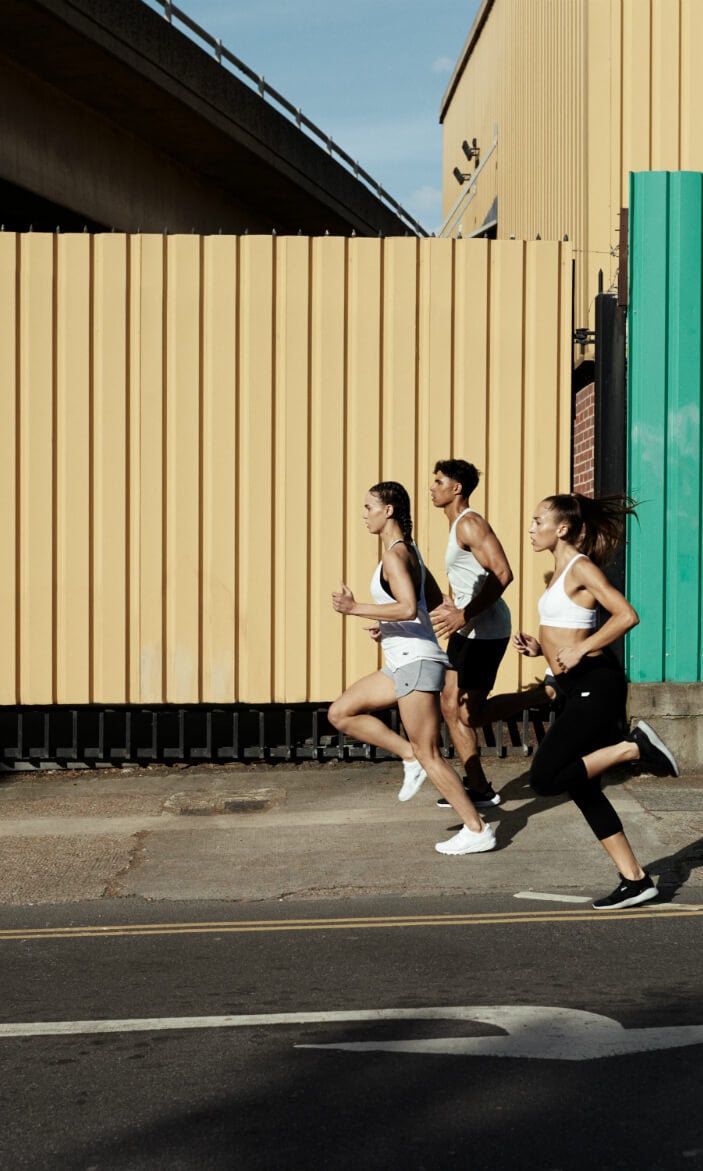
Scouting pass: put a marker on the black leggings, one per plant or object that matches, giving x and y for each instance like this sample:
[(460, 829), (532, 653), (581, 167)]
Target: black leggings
[(591, 715)]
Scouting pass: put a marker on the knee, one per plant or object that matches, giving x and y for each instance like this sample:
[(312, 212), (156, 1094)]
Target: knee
[(450, 706), (337, 715), (540, 780), (426, 751)]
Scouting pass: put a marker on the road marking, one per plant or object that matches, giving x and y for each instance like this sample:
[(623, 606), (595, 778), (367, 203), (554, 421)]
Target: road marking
[(528, 1031), (550, 898), (554, 1034), (474, 919)]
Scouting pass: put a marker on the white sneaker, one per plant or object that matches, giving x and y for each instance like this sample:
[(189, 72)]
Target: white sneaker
[(413, 776), (468, 842)]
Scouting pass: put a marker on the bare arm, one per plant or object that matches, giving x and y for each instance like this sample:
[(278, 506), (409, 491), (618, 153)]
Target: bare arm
[(397, 574), (474, 533)]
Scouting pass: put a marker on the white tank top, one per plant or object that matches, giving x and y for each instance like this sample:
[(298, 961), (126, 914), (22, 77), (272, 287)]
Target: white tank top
[(556, 608), (466, 577), (410, 640)]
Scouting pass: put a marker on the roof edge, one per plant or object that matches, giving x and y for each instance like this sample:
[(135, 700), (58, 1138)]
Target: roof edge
[(475, 32)]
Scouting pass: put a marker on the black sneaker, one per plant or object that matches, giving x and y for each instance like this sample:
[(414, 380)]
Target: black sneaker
[(482, 800), (653, 750), (628, 894)]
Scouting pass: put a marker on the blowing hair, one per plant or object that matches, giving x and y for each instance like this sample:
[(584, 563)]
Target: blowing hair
[(391, 492), (595, 527), (458, 469)]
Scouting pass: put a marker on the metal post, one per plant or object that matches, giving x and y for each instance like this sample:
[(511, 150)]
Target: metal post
[(610, 422)]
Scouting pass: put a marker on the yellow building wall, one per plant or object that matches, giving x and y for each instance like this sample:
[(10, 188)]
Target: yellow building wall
[(191, 424), (582, 92)]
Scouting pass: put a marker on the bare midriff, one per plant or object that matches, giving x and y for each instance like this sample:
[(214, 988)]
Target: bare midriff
[(553, 638)]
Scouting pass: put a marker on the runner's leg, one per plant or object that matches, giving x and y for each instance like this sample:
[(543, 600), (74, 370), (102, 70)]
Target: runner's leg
[(419, 711), (350, 713)]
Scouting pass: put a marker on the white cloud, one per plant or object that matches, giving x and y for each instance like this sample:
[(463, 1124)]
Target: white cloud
[(442, 65)]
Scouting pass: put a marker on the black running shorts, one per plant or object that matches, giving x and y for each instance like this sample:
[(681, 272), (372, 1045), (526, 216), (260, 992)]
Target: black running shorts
[(476, 661)]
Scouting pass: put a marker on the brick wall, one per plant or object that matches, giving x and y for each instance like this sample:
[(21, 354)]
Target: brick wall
[(584, 406)]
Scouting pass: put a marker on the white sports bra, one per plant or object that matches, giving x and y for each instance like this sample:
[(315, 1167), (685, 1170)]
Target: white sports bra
[(556, 608)]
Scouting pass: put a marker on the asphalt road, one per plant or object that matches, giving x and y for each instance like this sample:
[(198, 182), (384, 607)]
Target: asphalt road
[(476, 1032)]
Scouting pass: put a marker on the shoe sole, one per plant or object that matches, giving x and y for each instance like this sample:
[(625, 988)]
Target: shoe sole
[(660, 745), (477, 849), (644, 896), (485, 803)]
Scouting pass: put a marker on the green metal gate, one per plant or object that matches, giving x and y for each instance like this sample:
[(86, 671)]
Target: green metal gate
[(664, 567)]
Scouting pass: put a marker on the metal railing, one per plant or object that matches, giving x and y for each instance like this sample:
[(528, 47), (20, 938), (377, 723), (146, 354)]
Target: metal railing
[(225, 57), (65, 736)]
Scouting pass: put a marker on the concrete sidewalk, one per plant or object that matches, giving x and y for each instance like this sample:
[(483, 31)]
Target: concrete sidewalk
[(255, 832)]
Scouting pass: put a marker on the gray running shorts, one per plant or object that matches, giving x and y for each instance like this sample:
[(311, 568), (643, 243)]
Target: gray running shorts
[(420, 675)]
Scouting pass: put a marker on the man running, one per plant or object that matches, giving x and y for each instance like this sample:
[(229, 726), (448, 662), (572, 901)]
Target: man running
[(476, 619)]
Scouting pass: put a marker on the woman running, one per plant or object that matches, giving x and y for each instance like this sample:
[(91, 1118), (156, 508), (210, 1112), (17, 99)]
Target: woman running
[(590, 732), (413, 675)]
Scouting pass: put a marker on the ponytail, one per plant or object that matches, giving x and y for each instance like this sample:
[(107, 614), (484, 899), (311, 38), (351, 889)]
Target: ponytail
[(595, 527)]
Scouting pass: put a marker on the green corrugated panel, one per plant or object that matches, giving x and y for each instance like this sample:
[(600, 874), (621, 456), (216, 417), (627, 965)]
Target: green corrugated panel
[(664, 405)]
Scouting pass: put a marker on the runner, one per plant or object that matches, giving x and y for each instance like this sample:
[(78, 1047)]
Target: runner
[(413, 674), (476, 620), (590, 733)]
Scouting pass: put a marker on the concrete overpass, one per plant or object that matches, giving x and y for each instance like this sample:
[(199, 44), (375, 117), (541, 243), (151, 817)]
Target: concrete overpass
[(110, 117)]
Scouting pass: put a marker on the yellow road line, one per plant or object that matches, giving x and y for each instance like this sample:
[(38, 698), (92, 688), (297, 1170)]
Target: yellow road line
[(479, 919)]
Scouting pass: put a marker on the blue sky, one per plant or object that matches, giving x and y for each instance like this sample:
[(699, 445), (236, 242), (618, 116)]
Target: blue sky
[(369, 72)]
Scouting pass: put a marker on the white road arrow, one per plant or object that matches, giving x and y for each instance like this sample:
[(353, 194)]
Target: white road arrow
[(556, 1034)]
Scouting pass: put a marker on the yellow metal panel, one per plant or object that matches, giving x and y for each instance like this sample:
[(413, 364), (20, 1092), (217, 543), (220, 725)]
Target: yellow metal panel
[(665, 83), (73, 467), (691, 85), (219, 475), (134, 538), (183, 469), (603, 163), (328, 505), (36, 470), (9, 244), (291, 608), (470, 405), (399, 375), (563, 344), (540, 428), (435, 387), (503, 490), (151, 501), (363, 438), (255, 547), (109, 515)]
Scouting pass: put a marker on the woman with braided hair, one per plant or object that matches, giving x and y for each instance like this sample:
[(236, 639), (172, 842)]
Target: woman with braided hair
[(590, 732), (413, 675)]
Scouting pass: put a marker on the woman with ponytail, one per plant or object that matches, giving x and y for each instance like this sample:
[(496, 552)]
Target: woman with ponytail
[(413, 675), (590, 733)]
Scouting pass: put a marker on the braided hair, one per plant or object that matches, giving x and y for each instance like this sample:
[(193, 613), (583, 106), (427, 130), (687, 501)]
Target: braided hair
[(390, 492), (595, 527)]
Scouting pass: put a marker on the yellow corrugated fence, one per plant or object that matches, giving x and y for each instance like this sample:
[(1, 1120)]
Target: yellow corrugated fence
[(191, 423)]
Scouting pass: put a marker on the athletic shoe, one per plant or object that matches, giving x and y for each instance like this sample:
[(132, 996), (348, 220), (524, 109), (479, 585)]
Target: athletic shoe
[(628, 894), (468, 842), (653, 750), (413, 776), (481, 800)]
